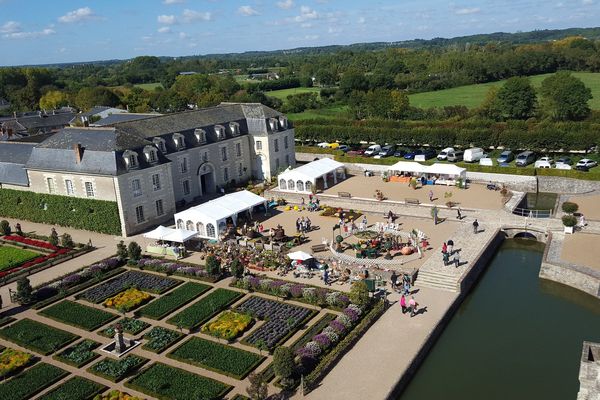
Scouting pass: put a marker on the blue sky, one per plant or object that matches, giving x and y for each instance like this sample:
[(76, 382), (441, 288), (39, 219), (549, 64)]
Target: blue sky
[(43, 31)]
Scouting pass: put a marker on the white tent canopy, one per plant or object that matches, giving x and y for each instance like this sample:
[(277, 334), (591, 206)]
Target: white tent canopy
[(445, 172), (304, 178), (299, 255), (158, 233), (206, 218), (170, 234), (408, 166)]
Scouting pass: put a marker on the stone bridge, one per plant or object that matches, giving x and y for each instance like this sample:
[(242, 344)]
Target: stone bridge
[(541, 235)]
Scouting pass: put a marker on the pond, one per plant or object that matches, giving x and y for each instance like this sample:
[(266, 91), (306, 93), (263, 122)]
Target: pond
[(514, 337)]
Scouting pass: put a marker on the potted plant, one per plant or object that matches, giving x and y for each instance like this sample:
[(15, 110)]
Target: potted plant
[(569, 222), (448, 196)]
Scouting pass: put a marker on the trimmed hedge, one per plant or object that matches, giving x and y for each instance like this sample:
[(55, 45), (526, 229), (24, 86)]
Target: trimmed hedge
[(30, 382), (73, 313), (217, 357), (169, 383), (76, 388), (170, 302), (79, 354), (87, 214), (36, 336), (204, 309), (115, 370)]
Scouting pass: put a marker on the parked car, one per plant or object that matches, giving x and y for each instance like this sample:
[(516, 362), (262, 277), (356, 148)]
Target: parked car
[(429, 153), (455, 156), (323, 145), (386, 151), (343, 147), (444, 153), (544, 162), (334, 145), (505, 157), (525, 158), (357, 152), (486, 161), (473, 154), (399, 153), (562, 166), (372, 150), (585, 164), (410, 155), (564, 160)]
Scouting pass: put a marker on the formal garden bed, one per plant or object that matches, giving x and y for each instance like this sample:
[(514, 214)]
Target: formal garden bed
[(282, 320), (12, 361), (217, 357), (36, 336), (159, 339), (228, 325), (116, 395), (204, 309), (78, 315), (127, 300), (79, 354), (165, 382), (132, 326), (143, 281), (13, 256), (31, 381), (6, 320), (115, 370), (172, 301), (177, 268), (76, 388)]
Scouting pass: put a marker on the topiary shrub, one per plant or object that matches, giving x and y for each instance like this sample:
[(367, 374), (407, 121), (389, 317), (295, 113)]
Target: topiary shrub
[(236, 268), (5, 227), (24, 291), (284, 365), (359, 294), (122, 251), (569, 220), (67, 241), (570, 207), (134, 251), (213, 266)]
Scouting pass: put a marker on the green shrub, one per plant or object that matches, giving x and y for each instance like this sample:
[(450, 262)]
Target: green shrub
[(76, 388), (24, 291), (171, 301), (213, 266), (569, 220), (284, 364), (33, 380), (66, 241), (5, 227), (570, 207), (204, 309), (89, 214), (79, 315), (166, 382), (79, 354), (359, 294), (160, 338), (122, 250), (128, 325), (236, 268), (134, 251), (36, 336), (115, 370)]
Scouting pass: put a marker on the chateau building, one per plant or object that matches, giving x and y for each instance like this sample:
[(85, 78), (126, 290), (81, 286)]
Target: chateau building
[(152, 165)]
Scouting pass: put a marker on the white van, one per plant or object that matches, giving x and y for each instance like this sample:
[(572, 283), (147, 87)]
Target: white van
[(455, 156), (444, 153), (372, 150), (473, 154)]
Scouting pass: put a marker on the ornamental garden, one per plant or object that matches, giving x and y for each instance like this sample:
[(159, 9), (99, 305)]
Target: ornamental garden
[(203, 334)]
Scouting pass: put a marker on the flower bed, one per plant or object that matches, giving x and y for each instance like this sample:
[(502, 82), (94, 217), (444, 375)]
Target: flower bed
[(217, 357), (79, 315), (349, 215), (31, 381), (129, 325), (116, 395), (79, 354), (127, 300), (76, 388), (76, 281), (141, 280), (171, 301), (309, 294), (30, 242), (115, 370), (36, 336), (37, 262), (228, 325), (166, 382), (160, 338), (12, 360), (188, 270), (204, 309), (282, 320), (11, 257)]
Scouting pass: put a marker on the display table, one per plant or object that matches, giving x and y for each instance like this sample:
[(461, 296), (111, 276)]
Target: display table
[(401, 179), (163, 251)]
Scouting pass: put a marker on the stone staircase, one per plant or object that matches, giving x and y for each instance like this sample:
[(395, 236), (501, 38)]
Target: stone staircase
[(438, 280)]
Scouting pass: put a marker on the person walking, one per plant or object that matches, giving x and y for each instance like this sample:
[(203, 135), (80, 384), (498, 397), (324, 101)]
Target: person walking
[(456, 261), (412, 306), (450, 247), (406, 287), (475, 226), (431, 195), (458, 214), (446, 258), (444, 248), (326, 275), (394, 280), (403, 303)]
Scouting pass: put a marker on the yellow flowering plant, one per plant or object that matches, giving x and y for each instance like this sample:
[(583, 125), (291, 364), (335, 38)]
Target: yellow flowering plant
[(228, 325), (11, 360), (127, 300), (116, 395)]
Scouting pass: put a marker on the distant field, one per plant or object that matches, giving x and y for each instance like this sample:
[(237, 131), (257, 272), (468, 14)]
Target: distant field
[(149, 86), (337, 111), (472, 95), (284, 93)]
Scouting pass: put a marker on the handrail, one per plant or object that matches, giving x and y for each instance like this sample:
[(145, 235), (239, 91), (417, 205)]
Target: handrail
[(531, 213)]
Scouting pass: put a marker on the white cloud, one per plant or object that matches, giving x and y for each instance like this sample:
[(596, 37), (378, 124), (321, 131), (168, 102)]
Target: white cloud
[(306, 25), (286, 4), (166, 19), (183, 35), (29, 35), (467, 11), (247, 11), (361, 20), (192, 16), (81, 14), (164, 29), (587, 2), (169, 2), (334, 30), (306, 13), (10, 27)]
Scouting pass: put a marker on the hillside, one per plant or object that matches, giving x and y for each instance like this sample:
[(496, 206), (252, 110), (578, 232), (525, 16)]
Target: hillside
[(472, 95)]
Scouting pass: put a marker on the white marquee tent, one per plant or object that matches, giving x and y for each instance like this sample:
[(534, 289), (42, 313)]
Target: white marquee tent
[(304, 178), (170, 234), (206, 218), (445, 173)]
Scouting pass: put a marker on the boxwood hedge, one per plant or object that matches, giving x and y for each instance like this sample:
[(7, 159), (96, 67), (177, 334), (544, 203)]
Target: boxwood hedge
[(88, 214), (170, 302), (76, 388), (169, 383), (73, 313), (204, 309), (31, 381), (36, 336)]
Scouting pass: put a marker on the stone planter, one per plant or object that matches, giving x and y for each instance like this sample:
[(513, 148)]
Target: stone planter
[(569, 229)]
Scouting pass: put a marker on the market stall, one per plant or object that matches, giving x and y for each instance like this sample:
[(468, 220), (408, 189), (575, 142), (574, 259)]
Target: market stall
[(439, 173), (165, 239)]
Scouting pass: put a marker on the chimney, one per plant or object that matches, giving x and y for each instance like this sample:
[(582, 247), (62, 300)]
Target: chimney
[(78, 152)]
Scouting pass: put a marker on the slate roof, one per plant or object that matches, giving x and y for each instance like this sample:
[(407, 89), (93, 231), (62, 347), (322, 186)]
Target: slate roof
[(95, 110), (94, 139), (122, 117), (39, 122), (13, 157)]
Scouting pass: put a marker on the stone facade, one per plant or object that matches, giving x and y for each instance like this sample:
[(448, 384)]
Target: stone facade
[(589, 372)]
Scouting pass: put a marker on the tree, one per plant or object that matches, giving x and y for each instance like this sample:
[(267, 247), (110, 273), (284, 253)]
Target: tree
[(5, 227), (400, 104), (283, 364), (565, 97), (66, 241), (516, 99), (53, 100), (89, 97), (24, 292), (236, 268), (134, 251), (213, 266), (359, 294), (353, 79), (489, 107), (570, 207), (258, 389), (53, 239), (122, 251)]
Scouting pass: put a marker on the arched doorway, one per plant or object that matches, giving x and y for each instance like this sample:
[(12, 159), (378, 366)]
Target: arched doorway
[(206, 179)]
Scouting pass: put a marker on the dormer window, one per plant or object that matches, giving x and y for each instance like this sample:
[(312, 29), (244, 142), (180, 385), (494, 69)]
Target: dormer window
[(235, 128), (151, 154), (160, 144), (200, 135), (179, 141), (220, 131), (283, 122), (131, 159), (273, 123)]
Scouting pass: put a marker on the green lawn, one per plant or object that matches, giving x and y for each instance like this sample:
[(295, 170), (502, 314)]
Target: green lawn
[(335, 111), (284, 93), (12, 256), (472, 95)]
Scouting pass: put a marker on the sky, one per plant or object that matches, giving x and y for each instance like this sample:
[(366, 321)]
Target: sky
[(44, 31)]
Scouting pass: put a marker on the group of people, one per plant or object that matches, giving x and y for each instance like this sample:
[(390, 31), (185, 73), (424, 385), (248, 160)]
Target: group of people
[(313, 203), (447, 251), (409, 306), (401, 283), (303, 225)]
